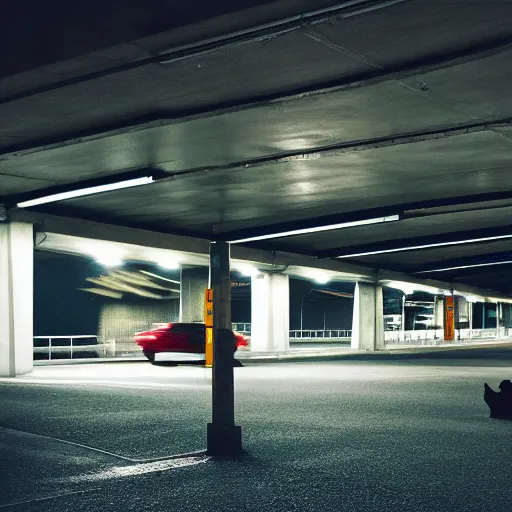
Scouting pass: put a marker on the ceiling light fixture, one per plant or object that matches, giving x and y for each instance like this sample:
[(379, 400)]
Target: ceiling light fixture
[(405, 288), (426, 246), (247, 270), (145, 180), (168, 264), (445, 269), (410, 288), (108, 258), (329, 227), (319, 277)]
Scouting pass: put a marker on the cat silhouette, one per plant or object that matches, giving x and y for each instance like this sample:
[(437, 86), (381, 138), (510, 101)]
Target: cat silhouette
[(499, 402)]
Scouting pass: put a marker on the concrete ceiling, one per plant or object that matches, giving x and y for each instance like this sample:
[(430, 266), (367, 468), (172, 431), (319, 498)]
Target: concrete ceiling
[(373, 108)]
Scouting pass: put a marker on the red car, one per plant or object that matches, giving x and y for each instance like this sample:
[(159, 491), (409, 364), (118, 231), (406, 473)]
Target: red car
[(185, 341)]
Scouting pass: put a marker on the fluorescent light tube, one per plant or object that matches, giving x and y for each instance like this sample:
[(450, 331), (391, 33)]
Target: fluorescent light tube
[(465, 266), (427, 246), (86, 191), (377, 220)]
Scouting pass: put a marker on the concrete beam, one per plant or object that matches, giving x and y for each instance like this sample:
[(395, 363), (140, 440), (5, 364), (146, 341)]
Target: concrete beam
[(200, 247)]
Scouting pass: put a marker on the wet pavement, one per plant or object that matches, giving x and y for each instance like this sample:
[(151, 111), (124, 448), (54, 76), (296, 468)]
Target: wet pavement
[(383, 434)]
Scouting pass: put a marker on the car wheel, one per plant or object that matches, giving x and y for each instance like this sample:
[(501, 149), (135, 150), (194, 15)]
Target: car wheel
[(150, 356)]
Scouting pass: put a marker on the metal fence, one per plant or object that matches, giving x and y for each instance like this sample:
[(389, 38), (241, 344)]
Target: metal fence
[(242, 328), (320, 335), (436, 336), (295, 335), (73, 345), (81, 345)]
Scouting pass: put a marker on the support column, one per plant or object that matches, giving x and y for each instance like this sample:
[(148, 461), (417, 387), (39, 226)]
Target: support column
[(449, 318), (223, 437), (470, 315), (439, 313), (368, 318), (498, 318), (194, 282), (270, 313), (16, 298), (402, 323)]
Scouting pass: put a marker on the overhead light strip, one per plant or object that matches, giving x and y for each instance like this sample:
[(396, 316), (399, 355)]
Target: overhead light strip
[(330, 227), (465, 266), (146, 180), (426, 246)]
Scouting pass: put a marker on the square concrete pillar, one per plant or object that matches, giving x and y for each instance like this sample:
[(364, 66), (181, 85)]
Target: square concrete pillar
[(194, 282), (368, 318), (270, 313), (439, 313), (16, 298)]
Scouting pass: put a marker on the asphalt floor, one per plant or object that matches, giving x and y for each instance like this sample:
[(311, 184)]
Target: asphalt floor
[(386, 432)]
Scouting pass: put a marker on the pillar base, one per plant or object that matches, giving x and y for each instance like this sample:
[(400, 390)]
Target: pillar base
[(223, 440)]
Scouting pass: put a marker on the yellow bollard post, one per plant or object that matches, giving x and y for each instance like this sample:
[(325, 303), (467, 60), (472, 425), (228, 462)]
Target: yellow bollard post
[(208, 321)]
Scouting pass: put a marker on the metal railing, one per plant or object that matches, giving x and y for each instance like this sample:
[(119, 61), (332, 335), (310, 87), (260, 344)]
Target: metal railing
[(72, 345), (436, 336), (321, 334), (242, 327), (297, 334)]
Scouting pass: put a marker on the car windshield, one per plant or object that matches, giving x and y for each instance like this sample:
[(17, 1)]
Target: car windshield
[(195, 327), (159, 325)]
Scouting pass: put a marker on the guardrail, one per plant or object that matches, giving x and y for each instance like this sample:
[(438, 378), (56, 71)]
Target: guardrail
[(72, 345)]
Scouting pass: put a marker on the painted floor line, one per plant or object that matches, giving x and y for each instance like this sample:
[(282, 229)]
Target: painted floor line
[(104, 452), (53, 497), (142, 469)]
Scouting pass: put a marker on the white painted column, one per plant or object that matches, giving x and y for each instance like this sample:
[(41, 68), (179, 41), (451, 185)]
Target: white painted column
[(402, 323), (16, 298), (470, 315), (270, 313), (367, 318), (498, 317)]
